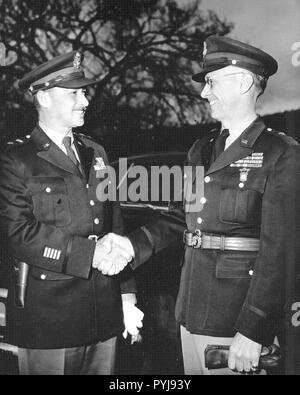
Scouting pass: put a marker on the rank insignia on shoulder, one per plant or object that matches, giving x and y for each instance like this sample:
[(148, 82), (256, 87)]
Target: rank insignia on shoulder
[(100, 165), (283, 136), (17, 141), (255, 160)]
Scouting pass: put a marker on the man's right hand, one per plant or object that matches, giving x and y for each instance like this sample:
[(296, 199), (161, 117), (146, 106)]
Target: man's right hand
[(112, 254)]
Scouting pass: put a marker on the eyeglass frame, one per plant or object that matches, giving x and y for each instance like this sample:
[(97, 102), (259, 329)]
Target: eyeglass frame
[(209, 81)]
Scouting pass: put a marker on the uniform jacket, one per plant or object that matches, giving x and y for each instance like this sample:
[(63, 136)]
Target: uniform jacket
[(224, 292), (47, 210)]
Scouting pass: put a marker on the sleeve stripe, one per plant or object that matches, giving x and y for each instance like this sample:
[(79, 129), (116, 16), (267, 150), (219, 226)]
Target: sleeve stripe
[(46, 252), (52, 253), (49, 252)]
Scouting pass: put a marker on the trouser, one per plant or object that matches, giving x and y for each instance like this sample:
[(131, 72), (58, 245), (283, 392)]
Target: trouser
[(193, 347), (97, 359)]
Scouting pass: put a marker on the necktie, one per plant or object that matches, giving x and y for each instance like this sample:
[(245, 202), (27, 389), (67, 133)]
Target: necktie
[(70, 153), (220, 143)]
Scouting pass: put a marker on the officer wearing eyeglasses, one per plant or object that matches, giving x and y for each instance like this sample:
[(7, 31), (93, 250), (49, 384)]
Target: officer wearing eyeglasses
[(239, 244)]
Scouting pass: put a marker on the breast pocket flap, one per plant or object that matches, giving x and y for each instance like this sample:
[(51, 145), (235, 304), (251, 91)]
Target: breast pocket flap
[(47, 185)]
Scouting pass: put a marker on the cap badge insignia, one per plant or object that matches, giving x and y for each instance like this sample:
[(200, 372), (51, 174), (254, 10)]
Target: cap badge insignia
[(77, 60), (204, 49)]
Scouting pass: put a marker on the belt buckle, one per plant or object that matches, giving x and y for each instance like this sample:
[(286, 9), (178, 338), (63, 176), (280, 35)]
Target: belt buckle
[(222, 243), (197, 241), (93, 238)]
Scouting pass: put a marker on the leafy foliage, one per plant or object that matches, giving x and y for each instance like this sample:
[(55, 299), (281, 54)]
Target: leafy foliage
[(142, 52)]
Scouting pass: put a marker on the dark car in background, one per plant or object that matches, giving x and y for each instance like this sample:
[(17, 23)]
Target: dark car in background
[(157, 281)]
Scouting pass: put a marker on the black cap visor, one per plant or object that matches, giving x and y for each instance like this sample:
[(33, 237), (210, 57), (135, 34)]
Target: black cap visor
[(200, 77), (75, 84)]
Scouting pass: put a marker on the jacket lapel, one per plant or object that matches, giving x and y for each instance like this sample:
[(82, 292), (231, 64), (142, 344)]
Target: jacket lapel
[(203, 157), (231, 155), (241, 148), (86, 155), (207, 149), (50, 152)]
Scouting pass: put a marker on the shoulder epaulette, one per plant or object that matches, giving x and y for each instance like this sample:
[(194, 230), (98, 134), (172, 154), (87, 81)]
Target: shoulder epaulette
[(14, 141), (283, 136), (84, 136)]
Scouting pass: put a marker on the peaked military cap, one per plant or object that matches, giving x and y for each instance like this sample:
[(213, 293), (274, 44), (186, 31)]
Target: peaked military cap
[(220, 52), (63, 71)]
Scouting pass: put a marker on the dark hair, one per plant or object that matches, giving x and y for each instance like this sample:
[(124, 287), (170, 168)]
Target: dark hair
[(260, 82)]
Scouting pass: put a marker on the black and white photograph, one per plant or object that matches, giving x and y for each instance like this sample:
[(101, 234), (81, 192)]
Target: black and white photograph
[(149, 190)]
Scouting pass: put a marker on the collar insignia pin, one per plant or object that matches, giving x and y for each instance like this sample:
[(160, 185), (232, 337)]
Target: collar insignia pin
[(100, 165)]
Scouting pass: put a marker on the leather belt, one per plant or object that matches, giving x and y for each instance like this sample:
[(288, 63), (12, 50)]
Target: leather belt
[(217, 242)]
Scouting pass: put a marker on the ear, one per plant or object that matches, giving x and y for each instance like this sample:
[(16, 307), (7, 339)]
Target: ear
[(43, 99), (246, 83)]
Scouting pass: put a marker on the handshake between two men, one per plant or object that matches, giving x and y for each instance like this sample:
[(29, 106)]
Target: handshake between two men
[(112, 254)]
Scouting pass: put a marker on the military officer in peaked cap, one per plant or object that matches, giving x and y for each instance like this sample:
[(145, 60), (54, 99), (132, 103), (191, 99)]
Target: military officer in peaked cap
[(238, 243), (66, 318)]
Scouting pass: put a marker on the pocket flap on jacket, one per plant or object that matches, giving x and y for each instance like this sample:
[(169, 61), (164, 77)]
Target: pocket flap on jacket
[(235, 264), (47, 184), (44, 275)]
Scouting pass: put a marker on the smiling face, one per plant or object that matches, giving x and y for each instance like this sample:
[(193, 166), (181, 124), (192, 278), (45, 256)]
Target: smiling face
[(67, 107), (222, 90)]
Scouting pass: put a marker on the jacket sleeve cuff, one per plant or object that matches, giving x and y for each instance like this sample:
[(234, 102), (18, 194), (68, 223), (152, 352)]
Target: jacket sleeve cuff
[(128, 286), (253, 323), (142, 245), (80, 257)]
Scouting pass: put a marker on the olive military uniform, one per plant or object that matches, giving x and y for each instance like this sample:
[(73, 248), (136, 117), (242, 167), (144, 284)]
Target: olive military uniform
[(222, 291), (240, 242), (48, 211), (65, 316)]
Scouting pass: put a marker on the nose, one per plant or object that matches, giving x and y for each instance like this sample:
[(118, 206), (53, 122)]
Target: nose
[(205, 91), (83, 100)]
